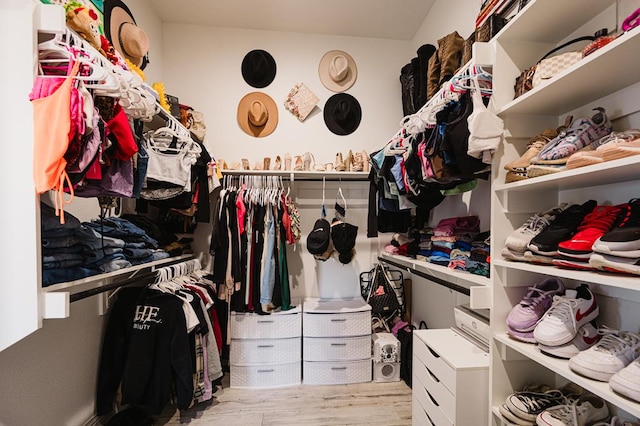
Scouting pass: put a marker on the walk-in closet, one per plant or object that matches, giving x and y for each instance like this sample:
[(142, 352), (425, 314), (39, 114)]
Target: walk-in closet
[(363, 212)]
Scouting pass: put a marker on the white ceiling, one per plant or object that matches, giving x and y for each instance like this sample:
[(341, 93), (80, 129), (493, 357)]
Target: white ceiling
[(390, 19)]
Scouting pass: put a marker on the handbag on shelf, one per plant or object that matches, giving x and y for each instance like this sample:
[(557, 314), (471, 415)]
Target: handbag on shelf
[(548, 67), (489, 28)]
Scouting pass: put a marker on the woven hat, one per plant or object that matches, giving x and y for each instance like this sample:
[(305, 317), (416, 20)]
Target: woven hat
[(258, 68), (342, 114), (257, 114), (124, 34), (337, 71)]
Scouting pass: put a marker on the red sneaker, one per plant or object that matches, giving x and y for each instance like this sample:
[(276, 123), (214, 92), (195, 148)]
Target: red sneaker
[(593, 226)]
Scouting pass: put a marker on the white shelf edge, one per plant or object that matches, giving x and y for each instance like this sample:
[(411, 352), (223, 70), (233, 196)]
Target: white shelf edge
[(561, 367), (96, 279), (292, 175), (439, 271), (629, 282), (596, 174)]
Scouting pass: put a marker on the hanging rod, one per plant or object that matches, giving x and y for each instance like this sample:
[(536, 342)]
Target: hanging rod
[(421, 274)]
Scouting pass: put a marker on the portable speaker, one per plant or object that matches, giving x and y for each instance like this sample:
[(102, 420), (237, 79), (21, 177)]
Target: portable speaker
[(386, 372), (386, 348)]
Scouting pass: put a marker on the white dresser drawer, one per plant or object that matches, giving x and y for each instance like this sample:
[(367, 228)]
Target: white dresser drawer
[(336, 348), (437, 366), (418, 416), (430, 404), (264, 351), (436, 388), (265, 376), (254, 326), (336, 324), (336, 372)]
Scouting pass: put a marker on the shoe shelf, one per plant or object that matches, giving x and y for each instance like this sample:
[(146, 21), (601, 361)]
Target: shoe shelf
[(609, 172), (505, 345), (499, 419), (293, 175), (621, 281), (591, 78)]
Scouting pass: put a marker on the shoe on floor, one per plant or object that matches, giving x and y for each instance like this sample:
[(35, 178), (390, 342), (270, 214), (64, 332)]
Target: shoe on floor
[(578, 135), (611, 354), (566, 315), (586, 337), (536, 301), (627, 381), (594, 225), (584, 411), (625, 265), (562, 228), (519, 239), (624, 239)]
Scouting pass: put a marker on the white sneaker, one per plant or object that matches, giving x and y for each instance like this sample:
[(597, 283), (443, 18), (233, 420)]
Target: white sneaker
[(586, 337), (567, 314), (627, 381), (617, 421), (527, 405), (518, 240), (512, 418), (607, 357), (584, 411)]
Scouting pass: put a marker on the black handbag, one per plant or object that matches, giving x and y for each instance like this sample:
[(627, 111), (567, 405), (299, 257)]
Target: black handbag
[(382, 297)]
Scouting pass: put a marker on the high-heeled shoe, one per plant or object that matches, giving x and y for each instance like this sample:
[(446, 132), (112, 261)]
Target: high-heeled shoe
[(245, 164), (308, 161), (298, 165), (222, 165), (348, 161), (277, 165), (267, 163), (366, 165), (338, 165), (358, 162), (287, 161)]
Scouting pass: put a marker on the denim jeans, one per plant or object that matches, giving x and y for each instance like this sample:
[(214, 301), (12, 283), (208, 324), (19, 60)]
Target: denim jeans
[(111, 262), (51, 226), (269, 276), (59, 242), (122, 229), (55, 264), (92, 239), (62, 257), (61, 275), (156, 255)]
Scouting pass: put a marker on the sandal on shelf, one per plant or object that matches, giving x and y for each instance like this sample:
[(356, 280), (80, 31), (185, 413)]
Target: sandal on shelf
[(287, 161), (328, 167), (298, 166), (236, 166), (245, 164), (366, 165), (267, 163), (277, 165), (308, 161), (338, 166), (257, 166), (222, 165)]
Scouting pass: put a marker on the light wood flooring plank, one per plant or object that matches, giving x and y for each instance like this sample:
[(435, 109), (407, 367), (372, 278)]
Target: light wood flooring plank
[(368, 403)]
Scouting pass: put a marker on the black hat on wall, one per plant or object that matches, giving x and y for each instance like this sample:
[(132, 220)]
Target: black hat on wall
[(258, 68), (342, 114)]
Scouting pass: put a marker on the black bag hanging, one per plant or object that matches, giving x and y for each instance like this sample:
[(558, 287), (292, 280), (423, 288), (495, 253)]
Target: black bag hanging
[(382, 297)]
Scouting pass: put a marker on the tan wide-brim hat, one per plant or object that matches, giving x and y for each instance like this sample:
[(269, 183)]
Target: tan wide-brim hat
[(337, 71), (257, 114), (124, 34)]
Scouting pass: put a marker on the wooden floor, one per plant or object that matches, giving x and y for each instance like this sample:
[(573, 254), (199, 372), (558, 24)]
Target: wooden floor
[(369, 403)]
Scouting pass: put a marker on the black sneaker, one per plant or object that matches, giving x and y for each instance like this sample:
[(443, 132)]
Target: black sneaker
[(561, 229), (624, 239)]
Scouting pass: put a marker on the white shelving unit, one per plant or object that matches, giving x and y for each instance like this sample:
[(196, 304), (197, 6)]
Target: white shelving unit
[(609, 77)]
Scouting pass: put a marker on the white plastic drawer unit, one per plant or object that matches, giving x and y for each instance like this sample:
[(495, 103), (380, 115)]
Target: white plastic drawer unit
[(277, 325), (450, 380), (341, 318), (249, 351), (266, 375), (337, 372)]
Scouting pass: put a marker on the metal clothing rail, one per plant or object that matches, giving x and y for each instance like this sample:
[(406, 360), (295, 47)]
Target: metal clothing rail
[(440, 281)]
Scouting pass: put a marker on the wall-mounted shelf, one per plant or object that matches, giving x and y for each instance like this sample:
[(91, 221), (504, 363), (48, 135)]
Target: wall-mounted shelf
[(292, 175), (58, 297)]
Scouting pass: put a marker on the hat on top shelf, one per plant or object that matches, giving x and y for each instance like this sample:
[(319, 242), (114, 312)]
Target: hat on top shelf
[(124, 34), (342, 114), (337, 71), (258, 68), (257, 114)]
